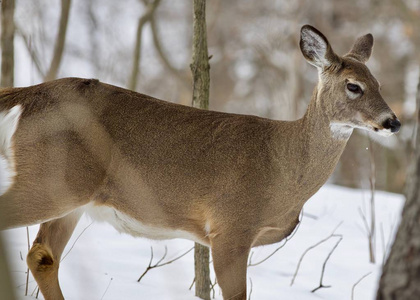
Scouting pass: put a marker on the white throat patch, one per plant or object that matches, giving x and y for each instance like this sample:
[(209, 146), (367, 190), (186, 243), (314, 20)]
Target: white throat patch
[(340, 131)]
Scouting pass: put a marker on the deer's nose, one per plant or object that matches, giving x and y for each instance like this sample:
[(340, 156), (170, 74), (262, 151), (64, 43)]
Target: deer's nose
[(393, 124)]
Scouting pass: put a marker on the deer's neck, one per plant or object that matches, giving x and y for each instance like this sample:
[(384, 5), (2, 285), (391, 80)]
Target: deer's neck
[(315, 147)]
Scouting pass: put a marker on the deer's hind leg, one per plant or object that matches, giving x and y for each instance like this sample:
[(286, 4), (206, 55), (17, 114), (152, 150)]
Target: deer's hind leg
[(44, 257)]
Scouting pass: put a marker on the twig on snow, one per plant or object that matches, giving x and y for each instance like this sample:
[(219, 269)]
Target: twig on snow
[(106, 290), (312, 247), (325, 263), (159, 264), (357, 282)]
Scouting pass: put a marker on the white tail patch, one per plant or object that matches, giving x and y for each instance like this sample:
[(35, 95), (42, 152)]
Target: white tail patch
[(8, 125)]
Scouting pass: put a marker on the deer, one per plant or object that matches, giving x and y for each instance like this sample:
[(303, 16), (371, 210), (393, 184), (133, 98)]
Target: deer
[(161, 170)]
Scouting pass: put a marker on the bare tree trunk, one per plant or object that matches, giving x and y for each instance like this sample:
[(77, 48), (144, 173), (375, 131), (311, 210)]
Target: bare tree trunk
[(7, 36), (401, 274), (200, 69), (5, 280), (151, 7), (59, 43)]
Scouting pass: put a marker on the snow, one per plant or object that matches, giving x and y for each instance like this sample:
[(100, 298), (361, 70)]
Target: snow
[(104, 264)]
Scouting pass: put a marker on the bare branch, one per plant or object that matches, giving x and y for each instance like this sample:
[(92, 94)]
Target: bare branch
[(27, 269), (61, 37), (179, 75), (151, 8), (312, 247), (159, 264), (363, 216), (76, 241), (325, 263), (106, 290), (212, 285), (357, 282), (34, 56), (372, 181)]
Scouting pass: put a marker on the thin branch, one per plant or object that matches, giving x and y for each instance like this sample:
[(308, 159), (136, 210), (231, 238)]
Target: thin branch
[(325, 263), (183, 79), (372, 181), (357, 282), (34, 56), (159, 264), (75, 241), (212, 285), (312, 247), (106, 290), (61, 38), (192, 284), (363, 216), (150, 10), (27, 269)]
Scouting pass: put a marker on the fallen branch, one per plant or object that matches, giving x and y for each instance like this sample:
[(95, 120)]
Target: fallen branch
[(325, 263), (312, 247), (357, 282), (158, 264), (106, 290)]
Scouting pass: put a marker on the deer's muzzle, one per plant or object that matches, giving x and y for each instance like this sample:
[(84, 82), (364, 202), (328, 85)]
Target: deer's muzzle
[(392, 124)]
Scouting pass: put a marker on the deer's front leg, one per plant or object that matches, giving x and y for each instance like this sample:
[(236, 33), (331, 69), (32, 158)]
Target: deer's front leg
[(230, 263), (44, 257)]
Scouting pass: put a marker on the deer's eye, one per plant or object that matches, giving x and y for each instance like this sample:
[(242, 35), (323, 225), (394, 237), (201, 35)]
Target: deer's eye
[(354, 88)]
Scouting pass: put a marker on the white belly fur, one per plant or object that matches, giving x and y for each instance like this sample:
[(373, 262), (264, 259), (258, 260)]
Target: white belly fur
[(8, 125), (126, 224)]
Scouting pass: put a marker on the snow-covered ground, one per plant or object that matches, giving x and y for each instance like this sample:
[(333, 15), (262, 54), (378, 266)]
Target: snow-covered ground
[(104, 264)]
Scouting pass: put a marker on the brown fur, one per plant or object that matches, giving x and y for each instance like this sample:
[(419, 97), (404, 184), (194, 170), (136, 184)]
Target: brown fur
[(176, 167)]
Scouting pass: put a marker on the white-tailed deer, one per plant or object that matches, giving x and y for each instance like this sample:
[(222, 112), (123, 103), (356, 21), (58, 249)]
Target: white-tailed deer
[(162, 170)]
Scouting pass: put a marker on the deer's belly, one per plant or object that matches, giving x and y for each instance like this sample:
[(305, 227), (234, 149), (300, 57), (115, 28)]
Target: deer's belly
[(126, 224)]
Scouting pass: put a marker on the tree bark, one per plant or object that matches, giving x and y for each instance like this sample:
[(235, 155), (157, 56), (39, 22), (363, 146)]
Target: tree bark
[(6, 289), (7, 48), (401, 274), (200, 67), (151, 7), (201, 82), (59, 44)]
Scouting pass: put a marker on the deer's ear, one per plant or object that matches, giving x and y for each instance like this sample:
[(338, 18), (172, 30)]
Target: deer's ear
[(362, 48), (316, 49)]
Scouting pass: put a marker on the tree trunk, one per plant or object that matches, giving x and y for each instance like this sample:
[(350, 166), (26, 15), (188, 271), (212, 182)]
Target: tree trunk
[(201, 82), (7, 36), (59, 43), (401, 274), (6, 286), (200, 67)]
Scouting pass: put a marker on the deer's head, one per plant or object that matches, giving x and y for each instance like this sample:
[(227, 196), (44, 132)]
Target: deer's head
[(348, 93)]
